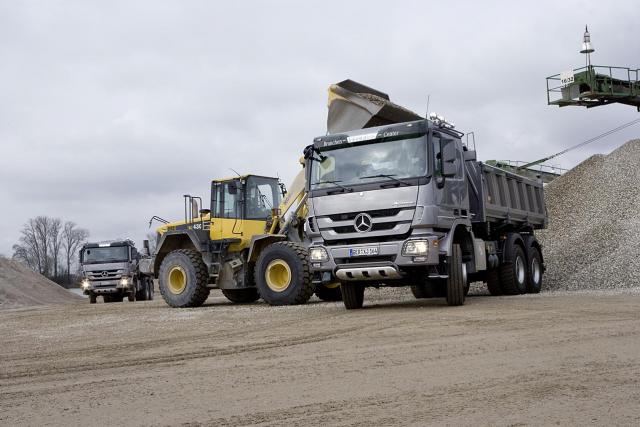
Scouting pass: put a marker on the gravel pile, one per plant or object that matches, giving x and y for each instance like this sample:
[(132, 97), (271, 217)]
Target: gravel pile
[(22, 287), (593, 238)]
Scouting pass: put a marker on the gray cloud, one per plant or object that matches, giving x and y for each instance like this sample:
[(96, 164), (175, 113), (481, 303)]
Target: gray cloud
[(111, 111)]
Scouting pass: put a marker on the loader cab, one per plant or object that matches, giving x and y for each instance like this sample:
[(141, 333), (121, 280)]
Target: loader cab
[(241, 206)]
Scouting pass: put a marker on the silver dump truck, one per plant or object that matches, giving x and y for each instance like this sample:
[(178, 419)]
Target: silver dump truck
[(403, 201), (112, 269)]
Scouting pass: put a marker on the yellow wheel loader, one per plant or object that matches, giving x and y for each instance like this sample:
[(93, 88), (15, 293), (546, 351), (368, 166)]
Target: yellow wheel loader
[(249, 243)]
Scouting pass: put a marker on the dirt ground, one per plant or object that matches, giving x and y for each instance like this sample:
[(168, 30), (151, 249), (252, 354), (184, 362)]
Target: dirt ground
[(554, 358)]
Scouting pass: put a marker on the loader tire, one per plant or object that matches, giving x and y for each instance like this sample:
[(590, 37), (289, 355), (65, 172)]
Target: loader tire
[(493, 282), (513, 274), (183, 279), (283, 274), (457, 280), (352, 295), (241, 296), (329, 292), (534, 270)]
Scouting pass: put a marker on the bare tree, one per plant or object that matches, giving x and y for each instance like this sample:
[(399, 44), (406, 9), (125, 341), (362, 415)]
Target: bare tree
[(55, 242), (72, 239), (42, 242)]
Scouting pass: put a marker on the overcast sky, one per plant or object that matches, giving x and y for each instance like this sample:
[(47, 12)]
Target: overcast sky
[(110, 111)]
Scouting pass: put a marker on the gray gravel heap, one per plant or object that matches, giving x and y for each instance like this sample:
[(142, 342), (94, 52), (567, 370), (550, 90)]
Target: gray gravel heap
[(593, 238)]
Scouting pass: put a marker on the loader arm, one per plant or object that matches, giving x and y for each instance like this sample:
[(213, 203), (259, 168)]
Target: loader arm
[(292, 210)]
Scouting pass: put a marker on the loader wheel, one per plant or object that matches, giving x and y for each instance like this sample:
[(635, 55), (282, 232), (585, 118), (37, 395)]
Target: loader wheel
[(329, 292), (183, 279), (493, 282), (283, 275), (352, 295), (534, 279), (241, 296), (513, 275), (93, 298), (457, 280)]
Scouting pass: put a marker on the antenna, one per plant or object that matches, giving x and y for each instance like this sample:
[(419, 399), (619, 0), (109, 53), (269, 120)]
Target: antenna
[(428, 100), (236, 172)]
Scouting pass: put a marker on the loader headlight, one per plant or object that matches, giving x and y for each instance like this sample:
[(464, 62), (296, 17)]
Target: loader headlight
[(124, 281), (85, 284), (415, 248), (318, 254)]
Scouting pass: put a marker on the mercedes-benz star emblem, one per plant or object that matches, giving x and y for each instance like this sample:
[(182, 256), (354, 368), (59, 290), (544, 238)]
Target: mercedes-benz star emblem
[(104, 273), (362, 223)]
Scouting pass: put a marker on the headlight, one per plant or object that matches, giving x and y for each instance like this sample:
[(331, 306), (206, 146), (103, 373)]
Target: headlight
[(415, 248), (318, 254), (124, 281), (85, 284)]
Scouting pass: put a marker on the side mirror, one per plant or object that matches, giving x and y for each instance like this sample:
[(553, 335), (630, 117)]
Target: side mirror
[(449, 155)]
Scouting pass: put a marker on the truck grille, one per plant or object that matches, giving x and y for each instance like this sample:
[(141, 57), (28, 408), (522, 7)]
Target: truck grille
[(104, 274), (384, 223)]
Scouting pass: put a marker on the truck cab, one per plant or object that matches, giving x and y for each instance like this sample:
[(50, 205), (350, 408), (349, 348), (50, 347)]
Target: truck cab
[(110, 269)]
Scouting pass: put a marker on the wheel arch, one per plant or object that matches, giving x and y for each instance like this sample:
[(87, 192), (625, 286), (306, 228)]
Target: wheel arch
[(258, 243), (508, 245), (171, 241)]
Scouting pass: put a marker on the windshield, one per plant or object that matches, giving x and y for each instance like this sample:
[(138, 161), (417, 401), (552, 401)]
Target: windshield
[(383, 161), (106, 254), (262, 195)]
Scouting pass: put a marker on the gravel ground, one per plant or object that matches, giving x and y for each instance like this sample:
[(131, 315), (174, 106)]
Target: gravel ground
[(593, 238), (557, 358)]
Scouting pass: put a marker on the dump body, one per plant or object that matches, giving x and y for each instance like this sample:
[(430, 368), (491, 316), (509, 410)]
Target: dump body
[(497, 197)]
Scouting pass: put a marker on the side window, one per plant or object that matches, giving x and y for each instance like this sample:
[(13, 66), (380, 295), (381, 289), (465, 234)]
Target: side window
[(459, 163), (260, 200), (229, 201), (437, 156)]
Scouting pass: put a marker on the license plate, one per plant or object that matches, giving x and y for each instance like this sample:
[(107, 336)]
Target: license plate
[(363, 251)]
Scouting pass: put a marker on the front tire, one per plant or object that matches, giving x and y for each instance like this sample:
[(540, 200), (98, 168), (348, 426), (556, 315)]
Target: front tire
[(428, 289), (93, 298), (493, 282), (183, 279), (352, 295), (241, 296), (283, 275), (457, 280), (329, 292)]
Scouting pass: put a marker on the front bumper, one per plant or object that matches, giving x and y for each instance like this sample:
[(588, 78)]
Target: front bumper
[(106, 287), (389, 263)]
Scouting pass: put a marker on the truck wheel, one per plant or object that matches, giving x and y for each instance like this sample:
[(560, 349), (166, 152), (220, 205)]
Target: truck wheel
[(493, 282), (457, 279), (352, 295), (241, 296), (152, 289), (329, 292), (183, 279), (283, 275), (513, 275), (93, 298), (534, 279), (131, 296)]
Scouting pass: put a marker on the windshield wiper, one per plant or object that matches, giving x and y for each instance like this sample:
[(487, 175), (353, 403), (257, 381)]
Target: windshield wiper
[(384, 175), (337, 183)]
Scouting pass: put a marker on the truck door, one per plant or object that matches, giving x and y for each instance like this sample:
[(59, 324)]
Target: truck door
[(226, 212), (450, 191)]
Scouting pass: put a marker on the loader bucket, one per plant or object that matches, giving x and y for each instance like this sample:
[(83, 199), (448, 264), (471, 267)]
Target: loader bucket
[(355, 106)]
